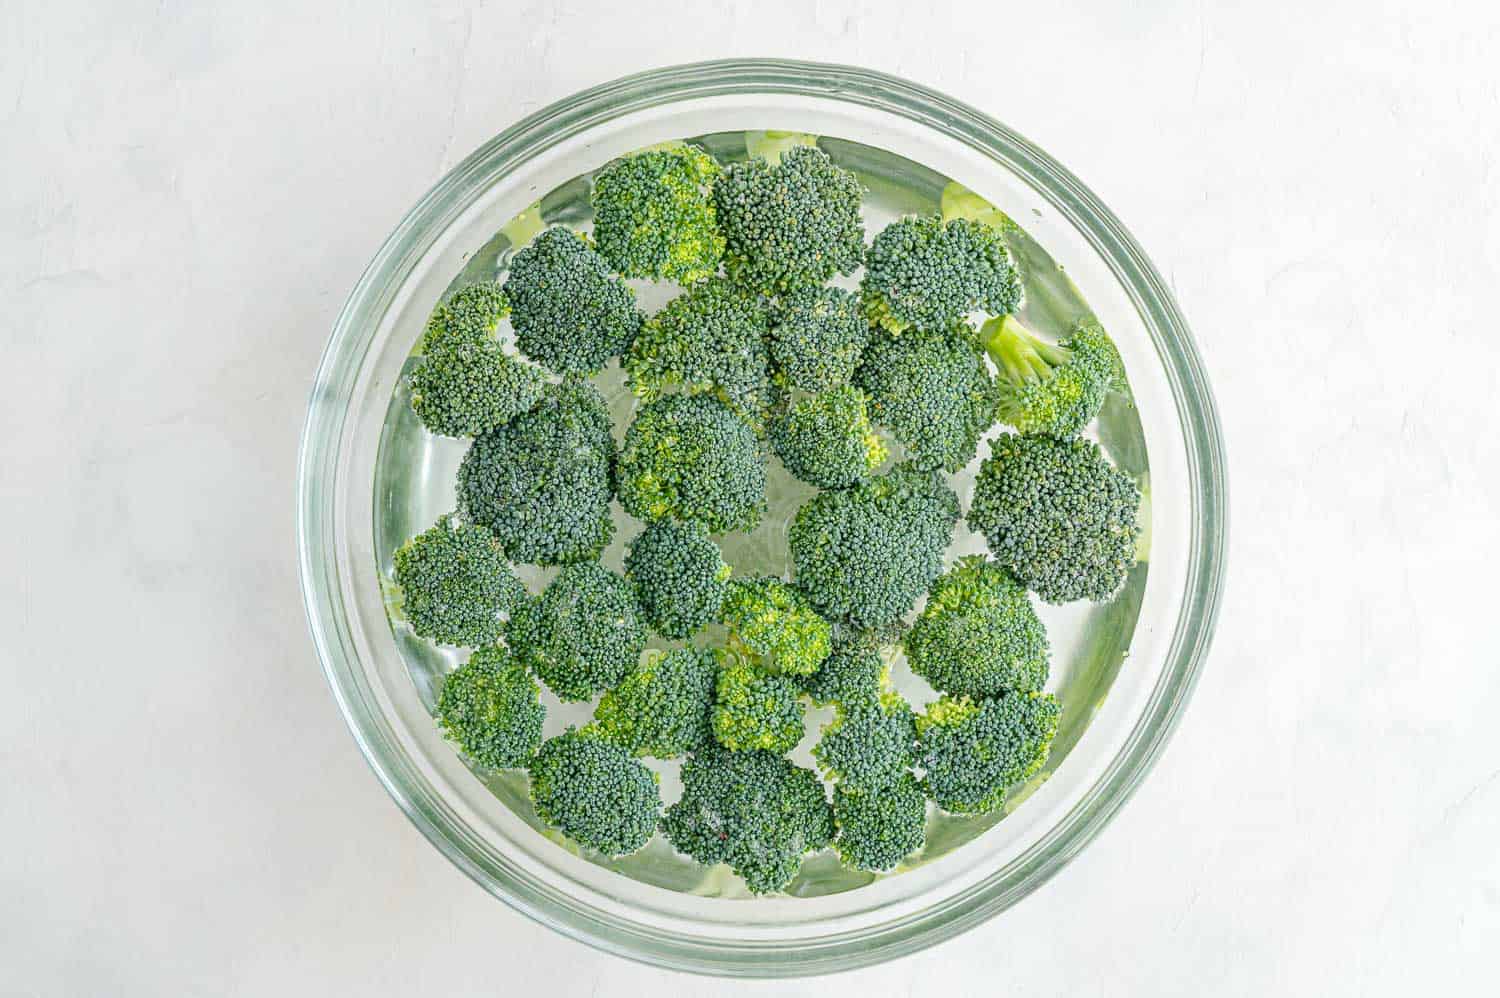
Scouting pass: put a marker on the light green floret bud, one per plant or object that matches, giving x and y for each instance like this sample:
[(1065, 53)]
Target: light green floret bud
[(664, 708), (754, 709), (876, 831), (595, 792), (492, 709), (777, 623), (654, 214), (1051, 389)]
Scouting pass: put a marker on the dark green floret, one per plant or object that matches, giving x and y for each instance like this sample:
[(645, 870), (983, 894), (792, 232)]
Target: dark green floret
[(583, 634), (595, 792), (543, 482), (865, 554), (755, 811), (707, 341), (777, 623), (569, 312), (690, 458), (664, 708), (679, 576), (877, 831), (654, 214), (923, 272), (469, 316), (826, 439), (972, 751), (491, 707), (869, 744), (853, 672), (1051, 389), (1058, 515), (817, 337), (754, 709), (933, 390), (978, 635), (456, 584), (790, 225)]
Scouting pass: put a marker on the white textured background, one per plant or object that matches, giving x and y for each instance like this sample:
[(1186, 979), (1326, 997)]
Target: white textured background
[(187, 192)]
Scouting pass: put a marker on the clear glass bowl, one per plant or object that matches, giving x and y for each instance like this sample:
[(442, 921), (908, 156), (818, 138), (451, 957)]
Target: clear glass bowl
[(369, 477)]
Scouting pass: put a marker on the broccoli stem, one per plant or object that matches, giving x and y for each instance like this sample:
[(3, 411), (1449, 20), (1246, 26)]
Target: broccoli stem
[(1020, 353), (771, 145)]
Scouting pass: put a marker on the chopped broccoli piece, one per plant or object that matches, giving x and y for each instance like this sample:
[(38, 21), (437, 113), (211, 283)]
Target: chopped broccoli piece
[(817, 336), (869, 744), (754, 709), (595, 792), (543, 483), (688, 457), (876, 831), (973, 751), (654, 214), (978, 635), (583, 634), (1051, 389), (569, 312), (469, 316), (852, 672), (790, 225), (492, 709), (923, 272), (456, 584), (679, 576), (755, 811), (1058, 515), (933, 390), (664, 708), (865, 554), (777, 623), (826, 439)]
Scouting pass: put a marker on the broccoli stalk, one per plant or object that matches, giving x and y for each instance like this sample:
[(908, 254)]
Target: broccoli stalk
[(1054, 389)]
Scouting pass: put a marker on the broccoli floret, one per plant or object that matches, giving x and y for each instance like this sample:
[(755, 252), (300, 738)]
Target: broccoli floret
[(679, 576), (1058, 515), (959, 202), (972, 752), (710, 340), (923, 272), (492, 709), (1051, 389), (852, 672), (543, 482), (654, 214), (817, 337), (688, 457), (583, 634), (866, 553), (663, 708), (933, 390), (790, 225), (978, 635), (456, 584), (754, 709), (465, 382), (595, 792), (876, 831), (776, 622), (869, 744), (755, 811), (569, 312), (826, 439)]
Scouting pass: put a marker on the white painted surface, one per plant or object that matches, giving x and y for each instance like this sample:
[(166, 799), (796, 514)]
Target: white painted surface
[(189, 190)]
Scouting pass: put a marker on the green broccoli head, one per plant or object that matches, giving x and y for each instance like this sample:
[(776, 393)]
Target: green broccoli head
[(755, 811), (777, 623), (826, 439), (978, 635), (876, 831), (933, 390), (595, 792), (816, 338), (923, 272), (852, 672), (664, 708), (1058, 515), (469, 316), (543, 482), (865, 554), (583, 634), (973, 751), (569, 312), (754, 709), (688, 457), (679, 576), (869, 744), (654, 214), (709, 340), (1051, 389), (492, 709), (790, 225), (456, 584)]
